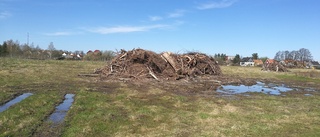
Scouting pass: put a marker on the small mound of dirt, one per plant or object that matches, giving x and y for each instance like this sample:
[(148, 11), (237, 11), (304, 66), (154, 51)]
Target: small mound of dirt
[(142, 64)]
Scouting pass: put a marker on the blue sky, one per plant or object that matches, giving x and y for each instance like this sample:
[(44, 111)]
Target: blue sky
[(210, 26)]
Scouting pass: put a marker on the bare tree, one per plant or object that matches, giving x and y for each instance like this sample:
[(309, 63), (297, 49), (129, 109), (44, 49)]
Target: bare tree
[(305, 55), (13, 48), (26, 51), (278, 56), (286, 54), (300, 55), (294, 55), (50, 49)]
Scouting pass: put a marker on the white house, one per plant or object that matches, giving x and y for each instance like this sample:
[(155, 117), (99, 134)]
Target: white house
[(247, 61)]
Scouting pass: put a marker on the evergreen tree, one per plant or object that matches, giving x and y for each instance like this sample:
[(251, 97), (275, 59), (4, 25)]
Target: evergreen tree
[(255, 56), (0, 50), (236, 59), (4, 49)]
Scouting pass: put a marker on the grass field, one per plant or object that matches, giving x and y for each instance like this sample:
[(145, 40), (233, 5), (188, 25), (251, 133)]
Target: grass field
[(124, 109)]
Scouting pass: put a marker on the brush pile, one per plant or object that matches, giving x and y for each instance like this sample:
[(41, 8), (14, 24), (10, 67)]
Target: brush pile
[(274, 67), (141, 64)]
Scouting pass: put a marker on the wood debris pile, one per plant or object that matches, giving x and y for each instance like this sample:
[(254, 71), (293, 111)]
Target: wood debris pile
[(274, 67), (140, 64)]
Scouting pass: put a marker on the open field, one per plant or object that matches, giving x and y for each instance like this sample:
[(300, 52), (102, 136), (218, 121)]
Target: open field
[(152, 108)]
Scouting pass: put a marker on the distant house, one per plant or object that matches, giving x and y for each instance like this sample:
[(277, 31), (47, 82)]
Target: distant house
[(89, 52), (258, 62), (64, 54), (230, 57), (69, 56), (97, 52), (247, 61), (313, 65), (270, 61)]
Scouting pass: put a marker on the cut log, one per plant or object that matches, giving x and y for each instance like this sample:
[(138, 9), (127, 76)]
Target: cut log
[(152, 74), (171, 61)]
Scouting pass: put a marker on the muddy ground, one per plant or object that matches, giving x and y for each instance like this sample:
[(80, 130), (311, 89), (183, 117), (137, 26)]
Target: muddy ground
[(203, 86)]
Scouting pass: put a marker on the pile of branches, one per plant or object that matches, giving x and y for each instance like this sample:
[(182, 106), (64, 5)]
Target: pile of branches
[(274, 67), (141, 64)]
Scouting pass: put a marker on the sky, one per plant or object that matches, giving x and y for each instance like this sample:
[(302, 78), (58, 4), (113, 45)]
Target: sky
[(230, 27)]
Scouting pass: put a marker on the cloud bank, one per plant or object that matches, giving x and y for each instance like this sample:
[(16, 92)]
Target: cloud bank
[(176, 14), (5, 14), (125, 29), (155, 18), (59, 34), (215, 5)]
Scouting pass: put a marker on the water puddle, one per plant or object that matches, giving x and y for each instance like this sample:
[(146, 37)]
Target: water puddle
[(271, 89), (61, 111), (14, 101)]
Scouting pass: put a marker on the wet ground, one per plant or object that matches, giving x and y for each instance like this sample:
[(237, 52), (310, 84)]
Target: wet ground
[(55, 123), (14, 101), (61, 111), (272, 89), (223, 85)]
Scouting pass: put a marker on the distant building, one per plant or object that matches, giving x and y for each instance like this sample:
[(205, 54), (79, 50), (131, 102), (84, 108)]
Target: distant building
[(313, 65), (270, 61), (247, 61), (90, 51), (230, 57), (258, 62), (64, 55)]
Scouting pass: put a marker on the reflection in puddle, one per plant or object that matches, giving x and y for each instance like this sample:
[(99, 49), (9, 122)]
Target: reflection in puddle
[(14, 101), (58, 115), (271, 89)]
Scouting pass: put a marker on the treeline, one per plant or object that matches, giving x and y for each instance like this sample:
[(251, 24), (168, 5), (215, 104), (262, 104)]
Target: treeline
[(223, 59), (298, 55), (14, 49), (301, 55)]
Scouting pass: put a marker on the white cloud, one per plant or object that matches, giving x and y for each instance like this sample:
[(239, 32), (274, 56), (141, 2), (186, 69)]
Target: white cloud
[(125, 29), (155, 18), (215, 5), (59, 34), (177, 13), (5, 14)]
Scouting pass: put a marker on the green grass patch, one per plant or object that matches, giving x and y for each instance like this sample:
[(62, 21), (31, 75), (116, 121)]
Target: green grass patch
[(43, 75), (140, 114), (298, 78), (93, 114), (23, 118), (128, 113), (6, 96)]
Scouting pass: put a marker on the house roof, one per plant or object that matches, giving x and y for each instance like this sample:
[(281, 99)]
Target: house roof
[(257, 61), (247, 59), (270, 61), (315, 63)]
